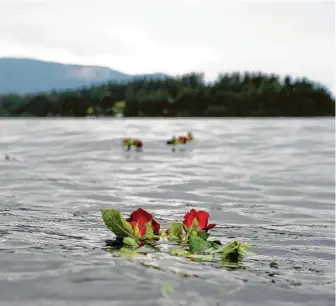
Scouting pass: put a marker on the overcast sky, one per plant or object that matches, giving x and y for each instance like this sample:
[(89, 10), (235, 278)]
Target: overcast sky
[(212, 36)]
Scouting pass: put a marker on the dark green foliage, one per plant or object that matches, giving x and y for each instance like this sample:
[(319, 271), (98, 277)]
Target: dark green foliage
[(231, 95)]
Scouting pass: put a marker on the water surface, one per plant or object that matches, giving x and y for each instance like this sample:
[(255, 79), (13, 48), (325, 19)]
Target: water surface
[(266, 182)]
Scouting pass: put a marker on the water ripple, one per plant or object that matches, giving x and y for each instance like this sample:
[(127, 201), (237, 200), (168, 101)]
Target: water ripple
[(267, 182)]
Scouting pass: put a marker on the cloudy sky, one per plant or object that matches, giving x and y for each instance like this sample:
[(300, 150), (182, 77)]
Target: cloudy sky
[(176, 36)]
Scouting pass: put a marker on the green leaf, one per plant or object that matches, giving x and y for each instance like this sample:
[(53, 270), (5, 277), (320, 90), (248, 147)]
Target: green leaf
[(163, 234), (116, 223), (195, 257), (136, 230), (198, 244), (201, 257), (215, 245), (231, 247), (193, 233), (274, 264), (225, 263), (217, 242), (129, 253), (151, 265), (147, 248), (186, 228), (247, 253), (149, 231), (195, 224), (175, 232), (245, 245), (130, 242), (203, 234), (166, 288), (186, 237), (235, 251), (179, 252)]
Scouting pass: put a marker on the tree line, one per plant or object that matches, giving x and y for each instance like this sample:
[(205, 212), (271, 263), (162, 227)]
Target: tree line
[(231, 95)]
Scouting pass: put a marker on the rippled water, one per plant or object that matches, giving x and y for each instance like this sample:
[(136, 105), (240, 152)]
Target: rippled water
[(266, 182)]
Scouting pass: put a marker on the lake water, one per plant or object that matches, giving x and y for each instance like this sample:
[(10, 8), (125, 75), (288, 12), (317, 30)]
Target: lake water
[(266, 182)]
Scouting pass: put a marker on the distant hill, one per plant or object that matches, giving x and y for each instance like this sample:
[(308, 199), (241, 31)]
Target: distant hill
[(21, 75)]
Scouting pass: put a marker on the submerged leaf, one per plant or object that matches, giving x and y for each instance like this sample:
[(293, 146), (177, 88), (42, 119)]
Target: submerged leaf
[(166, 288), (179, 252), (147, 248), (129, 253), (274, 264), (201, 257), (151, 265), (228, 264), (116, 223), (194, 257)]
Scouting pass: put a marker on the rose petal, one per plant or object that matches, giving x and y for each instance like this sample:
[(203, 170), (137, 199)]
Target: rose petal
[(189, 217), (141, 216), (210, 226), (133, 223), (142, 230), (202, 217), (155, 226)]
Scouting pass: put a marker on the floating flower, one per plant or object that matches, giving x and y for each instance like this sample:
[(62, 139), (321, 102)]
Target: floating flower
[(141, 229), (201, 217), (141, 217)]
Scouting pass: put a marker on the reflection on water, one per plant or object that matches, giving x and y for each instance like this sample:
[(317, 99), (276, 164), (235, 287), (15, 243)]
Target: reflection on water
[(266, 182)]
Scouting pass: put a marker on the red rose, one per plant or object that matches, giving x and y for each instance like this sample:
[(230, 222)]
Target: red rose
[(138, 143), (202, 218), (141, 217)]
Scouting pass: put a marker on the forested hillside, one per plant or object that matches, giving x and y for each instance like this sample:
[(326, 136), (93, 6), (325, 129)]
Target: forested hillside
[(231, 95)]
